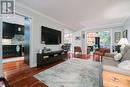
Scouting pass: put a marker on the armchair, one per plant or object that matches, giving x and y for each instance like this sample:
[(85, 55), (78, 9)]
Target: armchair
[(77, 51), (99, 53)]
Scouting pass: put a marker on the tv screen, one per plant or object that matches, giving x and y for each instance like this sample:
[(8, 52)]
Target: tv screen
[(50, 36)]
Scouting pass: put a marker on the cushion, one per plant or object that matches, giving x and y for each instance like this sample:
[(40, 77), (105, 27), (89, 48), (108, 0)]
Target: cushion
[(110, 54), (124, 65), (126, 55), (116, 70), (118, 56), (110, 62), (125, 50), (78, 53), (108, 58), (122, 49)]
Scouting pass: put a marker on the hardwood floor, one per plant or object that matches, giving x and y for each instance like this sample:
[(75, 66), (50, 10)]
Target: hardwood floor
[(115, 80), (19, 74)]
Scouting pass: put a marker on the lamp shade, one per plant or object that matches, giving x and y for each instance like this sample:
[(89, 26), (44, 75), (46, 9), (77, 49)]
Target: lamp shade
[(123, 41)]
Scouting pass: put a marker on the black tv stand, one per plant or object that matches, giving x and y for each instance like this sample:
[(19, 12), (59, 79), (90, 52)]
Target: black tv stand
[(50, 57)]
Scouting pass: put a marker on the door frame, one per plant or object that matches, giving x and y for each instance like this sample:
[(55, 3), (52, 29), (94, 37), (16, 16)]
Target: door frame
[(30, 39)]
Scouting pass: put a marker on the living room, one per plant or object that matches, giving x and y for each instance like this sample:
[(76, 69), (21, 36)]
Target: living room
[(74, 20)]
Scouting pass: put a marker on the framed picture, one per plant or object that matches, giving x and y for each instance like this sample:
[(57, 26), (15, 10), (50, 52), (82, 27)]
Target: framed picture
[(117, 36), (77, 38), (124, 34)]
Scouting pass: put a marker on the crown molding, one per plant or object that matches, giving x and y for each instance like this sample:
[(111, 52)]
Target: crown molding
[(125, 21), (103, 27), (43, 15)]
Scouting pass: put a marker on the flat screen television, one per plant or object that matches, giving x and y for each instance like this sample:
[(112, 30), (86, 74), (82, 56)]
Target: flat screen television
[(50, 36)]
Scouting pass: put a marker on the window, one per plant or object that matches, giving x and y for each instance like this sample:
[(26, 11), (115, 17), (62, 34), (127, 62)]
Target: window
[(68, 38)]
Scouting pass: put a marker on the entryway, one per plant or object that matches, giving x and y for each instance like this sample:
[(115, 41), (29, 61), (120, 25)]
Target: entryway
[(15, 41)]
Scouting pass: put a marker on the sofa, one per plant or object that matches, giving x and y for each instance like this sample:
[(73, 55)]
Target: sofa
[(112, 65)]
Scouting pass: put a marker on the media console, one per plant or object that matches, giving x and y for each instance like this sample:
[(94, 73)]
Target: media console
[(50, 57)]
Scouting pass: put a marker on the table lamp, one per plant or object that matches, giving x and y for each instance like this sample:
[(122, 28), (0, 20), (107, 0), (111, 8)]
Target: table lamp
[(123, 42)]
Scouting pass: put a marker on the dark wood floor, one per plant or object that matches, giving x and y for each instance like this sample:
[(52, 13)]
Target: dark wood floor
[(19, 74)]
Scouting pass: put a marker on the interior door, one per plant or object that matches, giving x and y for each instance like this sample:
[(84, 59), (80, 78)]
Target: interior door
[(27, 40)]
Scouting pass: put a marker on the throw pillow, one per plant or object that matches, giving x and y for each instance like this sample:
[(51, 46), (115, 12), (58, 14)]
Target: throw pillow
[(118, 56), (122, 49)]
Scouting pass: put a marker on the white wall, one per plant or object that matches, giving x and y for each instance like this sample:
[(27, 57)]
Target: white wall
[(83, 33), (127, 26), (0, 47), (38, 20), (68, 31), (76, 42), (16, 19)]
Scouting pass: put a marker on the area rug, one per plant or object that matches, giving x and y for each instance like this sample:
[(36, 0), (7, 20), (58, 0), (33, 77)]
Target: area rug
[(73, 73)]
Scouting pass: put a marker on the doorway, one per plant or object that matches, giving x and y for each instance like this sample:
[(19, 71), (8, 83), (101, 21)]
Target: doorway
[(15, 43), (13, 39)]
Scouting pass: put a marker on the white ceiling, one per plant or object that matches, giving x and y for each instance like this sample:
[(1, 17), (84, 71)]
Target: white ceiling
[(79, 14)]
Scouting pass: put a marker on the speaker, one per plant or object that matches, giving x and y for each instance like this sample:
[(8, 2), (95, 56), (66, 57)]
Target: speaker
[(97, 42)]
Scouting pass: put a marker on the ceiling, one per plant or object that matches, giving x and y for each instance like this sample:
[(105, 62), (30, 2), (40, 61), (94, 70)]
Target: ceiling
[(79, 14)]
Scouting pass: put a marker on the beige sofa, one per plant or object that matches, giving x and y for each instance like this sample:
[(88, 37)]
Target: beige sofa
[(110, 64)]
